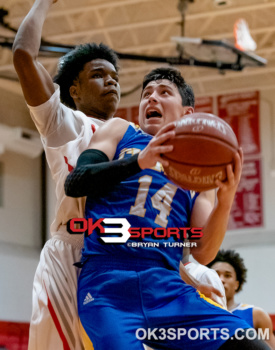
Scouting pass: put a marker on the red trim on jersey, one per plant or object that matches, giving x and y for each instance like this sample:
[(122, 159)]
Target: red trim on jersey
[(57, 324), (93, 128), (188, 262), (70, 168)]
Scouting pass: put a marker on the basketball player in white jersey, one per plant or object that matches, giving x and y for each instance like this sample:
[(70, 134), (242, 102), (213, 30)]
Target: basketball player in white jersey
[(88, 85)]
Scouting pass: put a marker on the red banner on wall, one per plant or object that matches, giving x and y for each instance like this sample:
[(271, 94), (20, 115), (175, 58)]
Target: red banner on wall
[(247, 209), (241, 111), (204, 104)]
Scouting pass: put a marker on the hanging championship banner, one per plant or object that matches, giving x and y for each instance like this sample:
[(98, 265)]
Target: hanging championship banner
[(247, 210), (241, 111)]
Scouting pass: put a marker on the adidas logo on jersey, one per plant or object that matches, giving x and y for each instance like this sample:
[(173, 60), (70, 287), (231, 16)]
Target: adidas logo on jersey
[(88, 299)]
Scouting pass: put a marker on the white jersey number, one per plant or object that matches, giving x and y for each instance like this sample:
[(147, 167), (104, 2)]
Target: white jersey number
[(161, 200)]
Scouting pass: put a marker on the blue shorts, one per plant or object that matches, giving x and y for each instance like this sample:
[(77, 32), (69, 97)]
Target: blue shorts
[(120, 309)]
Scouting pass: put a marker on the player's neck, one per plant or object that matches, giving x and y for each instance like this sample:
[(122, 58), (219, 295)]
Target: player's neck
[(103, 120), (93, 113), (231, 304)]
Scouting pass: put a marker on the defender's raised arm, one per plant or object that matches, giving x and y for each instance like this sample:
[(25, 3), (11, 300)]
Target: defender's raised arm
[(36, 83)]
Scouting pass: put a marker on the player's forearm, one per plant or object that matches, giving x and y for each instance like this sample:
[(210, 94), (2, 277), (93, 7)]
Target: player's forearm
[(213, 234), (95, 175), (28, 37)]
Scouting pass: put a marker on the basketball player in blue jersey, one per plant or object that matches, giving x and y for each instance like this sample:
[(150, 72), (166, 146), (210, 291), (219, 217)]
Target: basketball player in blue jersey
[(230, 267), (129, 295)]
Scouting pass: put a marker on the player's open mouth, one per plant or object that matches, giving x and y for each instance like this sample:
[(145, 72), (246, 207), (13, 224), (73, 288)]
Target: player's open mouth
[(153, 114)]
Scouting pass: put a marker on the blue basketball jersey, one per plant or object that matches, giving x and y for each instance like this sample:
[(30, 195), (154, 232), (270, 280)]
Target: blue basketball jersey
[(149, 200), (244, 311)]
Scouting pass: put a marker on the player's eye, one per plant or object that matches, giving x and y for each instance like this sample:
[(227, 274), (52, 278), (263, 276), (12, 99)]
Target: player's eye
[(116, 78), (145, 94), (96, 75), (165, 92)]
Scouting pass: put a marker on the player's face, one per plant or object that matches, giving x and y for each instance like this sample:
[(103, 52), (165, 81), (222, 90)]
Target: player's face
[(228, 277), (160, 104), (96, 92)]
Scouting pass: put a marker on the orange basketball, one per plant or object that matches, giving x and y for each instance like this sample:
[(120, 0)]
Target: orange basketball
[(203, 146)]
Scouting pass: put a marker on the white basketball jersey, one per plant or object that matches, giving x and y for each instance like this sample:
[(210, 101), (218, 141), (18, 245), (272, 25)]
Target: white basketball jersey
[(65, 134)]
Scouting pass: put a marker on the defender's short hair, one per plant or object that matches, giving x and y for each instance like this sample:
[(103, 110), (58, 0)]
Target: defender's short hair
[(73, 63)]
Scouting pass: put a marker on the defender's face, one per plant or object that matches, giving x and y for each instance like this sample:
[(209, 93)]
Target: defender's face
[(228, 277), (160, 104), (97, 91)]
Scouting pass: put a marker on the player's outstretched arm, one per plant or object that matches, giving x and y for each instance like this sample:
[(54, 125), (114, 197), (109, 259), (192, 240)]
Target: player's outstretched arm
[(96, 173), (214, 218), (35, 81), (262, 321)]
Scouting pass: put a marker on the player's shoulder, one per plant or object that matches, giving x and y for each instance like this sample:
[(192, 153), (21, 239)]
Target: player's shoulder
[(243, 307), (258, 311), (115, 127), (261, 318), (115, 123)]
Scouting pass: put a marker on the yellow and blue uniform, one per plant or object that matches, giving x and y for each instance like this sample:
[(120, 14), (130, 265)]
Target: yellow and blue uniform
[(244, 311), (125, 291)]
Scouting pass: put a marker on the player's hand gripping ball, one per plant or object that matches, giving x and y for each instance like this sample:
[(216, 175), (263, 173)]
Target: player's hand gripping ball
[(203, 146)]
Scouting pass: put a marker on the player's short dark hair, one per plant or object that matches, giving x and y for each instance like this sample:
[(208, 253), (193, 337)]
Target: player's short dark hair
[(174, 75), (73, 63), (234, 259)]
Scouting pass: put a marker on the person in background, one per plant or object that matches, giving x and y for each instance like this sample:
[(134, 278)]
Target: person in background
[(231, 269)]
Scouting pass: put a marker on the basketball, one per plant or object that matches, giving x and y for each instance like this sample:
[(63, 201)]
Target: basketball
[(203, 146)]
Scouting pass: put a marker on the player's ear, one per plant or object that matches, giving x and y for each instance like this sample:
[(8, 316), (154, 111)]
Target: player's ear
[(237, 283), (188, 110), (74, 90)]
